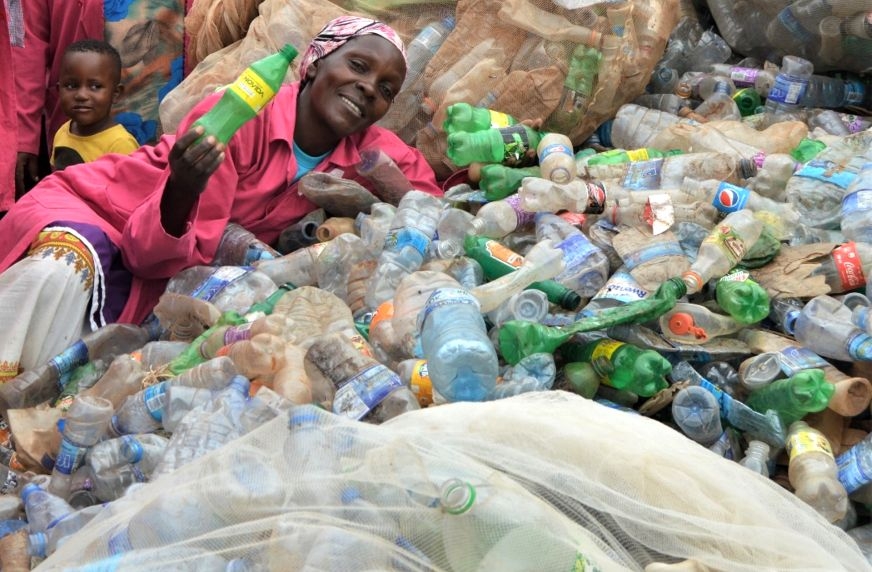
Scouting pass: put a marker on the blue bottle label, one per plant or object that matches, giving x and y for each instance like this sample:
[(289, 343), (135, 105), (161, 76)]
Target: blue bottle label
[(789, 20), (730, 198), (795, 359), (219, 280), (859, 347), (827, 172), (855, 92), (643, 175), (131, 449), (651, 252), (859, 201), (399, 238), (68, 360), (360, 394), (851, 473), (622, 287), (788, 89), (70, 457), (549, 150), (576, 250), (155, 399)]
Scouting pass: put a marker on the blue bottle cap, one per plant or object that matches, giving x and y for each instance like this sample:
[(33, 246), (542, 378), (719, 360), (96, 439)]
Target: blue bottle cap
[(29, 489), (37, 544), (303, 415), (604, 132)]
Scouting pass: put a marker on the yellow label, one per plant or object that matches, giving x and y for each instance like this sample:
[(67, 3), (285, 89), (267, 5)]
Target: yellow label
[(803, 442), (605, 349), (499, 119), (251, 88), (420, 383), (638, 154), (500, 252), (361, 345)]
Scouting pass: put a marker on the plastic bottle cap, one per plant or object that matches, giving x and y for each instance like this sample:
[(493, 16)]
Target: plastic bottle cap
[(457, 496), (681, 323), (303, 415), (37, 543), (693, 281), (29, 489)]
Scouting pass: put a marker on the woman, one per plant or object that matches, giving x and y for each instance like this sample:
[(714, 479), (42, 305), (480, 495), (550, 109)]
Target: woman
[(122, 225)]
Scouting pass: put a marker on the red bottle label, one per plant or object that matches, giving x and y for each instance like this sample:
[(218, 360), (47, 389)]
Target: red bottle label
[(849, 266)]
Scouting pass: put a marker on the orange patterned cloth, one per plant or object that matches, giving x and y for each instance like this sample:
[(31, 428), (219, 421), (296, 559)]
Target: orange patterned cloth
[(63, 245)]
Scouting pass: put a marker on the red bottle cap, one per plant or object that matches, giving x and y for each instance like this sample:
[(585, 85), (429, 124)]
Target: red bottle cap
[(681, 324)]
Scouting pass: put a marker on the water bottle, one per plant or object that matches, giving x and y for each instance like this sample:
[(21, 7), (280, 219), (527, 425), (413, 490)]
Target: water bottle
[(464, 117), (406, 244), (85, 424), (535, 372), (793, 398), (556, 160), (542, 195), (42, 544), (297, 268), (857, 205), (586, 267), (761, 80), (423, 47), (246, 96), (154, 355), (742, 298), (723, 248), (530, 305), (496, 219), (214, 373), (122, 379), (819, 329), (695, 324), (261, 356), (461, 359), (141, 412), (833, 93), (697, 413), (43, 509), (622, 365), (454, 225), (791, 83), (228, 288), (723, 375), (759, 371), (855, 465), (813, 472), (142, 450), (650, 258), (635, 126), (240, 247), (756, 457), (719, 105), (507, 145)]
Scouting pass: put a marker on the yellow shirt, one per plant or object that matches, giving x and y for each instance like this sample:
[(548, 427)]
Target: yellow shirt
[(70, 149)]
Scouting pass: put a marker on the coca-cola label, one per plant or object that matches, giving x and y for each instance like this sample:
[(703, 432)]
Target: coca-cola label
[(596, 198), (363, 392), (849, 266), (730, 198)]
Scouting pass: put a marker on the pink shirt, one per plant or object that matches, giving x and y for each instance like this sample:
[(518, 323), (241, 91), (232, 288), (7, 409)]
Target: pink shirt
[(8, 126), (253, 187)]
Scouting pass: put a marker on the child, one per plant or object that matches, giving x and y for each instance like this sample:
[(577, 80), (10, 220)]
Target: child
[(89, 83)]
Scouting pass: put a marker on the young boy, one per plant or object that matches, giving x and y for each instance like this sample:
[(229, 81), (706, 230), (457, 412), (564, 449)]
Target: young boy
[(89, 83)]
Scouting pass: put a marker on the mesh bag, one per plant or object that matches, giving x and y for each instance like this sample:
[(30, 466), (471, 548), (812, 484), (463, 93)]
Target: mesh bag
[(543, 481)]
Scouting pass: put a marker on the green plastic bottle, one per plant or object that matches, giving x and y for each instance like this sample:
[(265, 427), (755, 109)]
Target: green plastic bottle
[(578, 87), (793, 398), (498, 260), (465, 117), (619, 156), (498, 181), (246, 96), (507, 145), (747, 100), (807, 150), (622, 365), (742, 298)]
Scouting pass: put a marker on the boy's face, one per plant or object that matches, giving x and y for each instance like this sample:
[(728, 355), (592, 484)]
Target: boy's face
[(88, 87)]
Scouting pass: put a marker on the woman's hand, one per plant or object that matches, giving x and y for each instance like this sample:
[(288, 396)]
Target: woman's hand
[(192, 161)]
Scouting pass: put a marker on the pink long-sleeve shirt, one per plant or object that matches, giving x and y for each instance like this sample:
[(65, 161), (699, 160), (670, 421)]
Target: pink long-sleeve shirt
[(253, 187)]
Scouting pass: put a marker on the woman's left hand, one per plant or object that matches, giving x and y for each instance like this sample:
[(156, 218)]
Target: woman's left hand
[(193, 159)]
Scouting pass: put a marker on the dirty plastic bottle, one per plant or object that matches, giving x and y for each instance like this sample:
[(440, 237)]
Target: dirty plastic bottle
[(228, 288), (578, 86), (855, 465), (556, 160), (761, 80), (635, 126), (461, 359), (756, 457), (719, 105), (141, 412), (536, 372), (845, 268), (742, 298), (586, 267), (276, 324), (697, 413), (759, 371), (416, 376), (496, 219), (86, 422), (424, 46), (214, 373), (507, 145), (406, 244), (240, 247), (818, 329), (122, 379), (499, 181), (791, 83), (622, 365), (42, 507), (728, 198), (793, 398), (723, 248), (386, 176), (454, 225), (246, 96), (145, 449), (856, 210), (462, 116), (695, 324), (154, 355), (541, 195), (813, 472)]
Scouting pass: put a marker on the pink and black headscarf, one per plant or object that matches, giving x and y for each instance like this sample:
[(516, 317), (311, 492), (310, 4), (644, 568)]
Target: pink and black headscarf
[(339, 31)]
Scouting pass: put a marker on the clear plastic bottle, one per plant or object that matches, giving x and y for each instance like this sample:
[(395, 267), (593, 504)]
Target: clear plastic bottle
[(578, 88), (761, 80), (424, 46), (43, 544), (42, 507), (122, 379), (240, 247), (229, 288), (728, 198), (461, 359), (695, 324), (141, 412), (813, 472), (719, 105), (214, 373), (697, 413), (586, 267), (156, 354), (635, 126), (262, 355), (856, 213), (85, 424), (791, 83), (145, 450), (556, 159), (409, 299), (406, 244), (386, 176), (723, 248), (756, 457), (531, 305), (535, 372), (496, 219), (819, 328), (855, 465), (297, 268), (276, 324), (454, 225), (542, 195), (833, 92)]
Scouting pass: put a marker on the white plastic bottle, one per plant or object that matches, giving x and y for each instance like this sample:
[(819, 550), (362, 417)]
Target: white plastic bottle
[(556, 160)]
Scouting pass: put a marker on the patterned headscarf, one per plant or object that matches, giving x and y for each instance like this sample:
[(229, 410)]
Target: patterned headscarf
[(338, 31)]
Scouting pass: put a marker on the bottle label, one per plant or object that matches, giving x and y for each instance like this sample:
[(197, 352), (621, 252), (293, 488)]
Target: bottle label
[(726, 239), (502, 253), (788, 19), (855, 91), (399, 238), (421, 384), (70, 457), (499, 120), (252, 89), (360, 344), (788, 89), (851, 473), (654, 251), (803, 442), (730, 198), (218, 280), (448, 297), (794, 359), (596, 198), (857, 201), (238, 333), (601, 356), (623, 287), (131, 449), (576, 251), (525, 218), (859, 345), (637, 155), (827, 172), (849, 266), (516, 142), (854, 123), (744, 77), (68, 360), (736, 276), (155, 397), (643, 175), (361, 393)]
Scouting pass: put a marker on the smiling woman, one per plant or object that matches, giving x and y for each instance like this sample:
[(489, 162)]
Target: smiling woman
[(147, 216)]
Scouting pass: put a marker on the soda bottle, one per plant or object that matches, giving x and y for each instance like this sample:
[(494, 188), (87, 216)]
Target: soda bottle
[(813, 472), (415, 374), (461, 360), (246, 96), (723, 248), (464, 117), (499, 181), (748, 101), (507, 145), (697, 413), (728, 198), (695, 324), (496, 219), (556, 161), (622, 365), (742, 298), (794, 397)]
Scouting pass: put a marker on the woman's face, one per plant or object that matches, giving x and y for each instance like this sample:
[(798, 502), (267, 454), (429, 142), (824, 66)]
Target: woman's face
[(354, 86)]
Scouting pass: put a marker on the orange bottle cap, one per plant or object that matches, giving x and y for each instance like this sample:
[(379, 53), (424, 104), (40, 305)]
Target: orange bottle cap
[(681, 324)]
